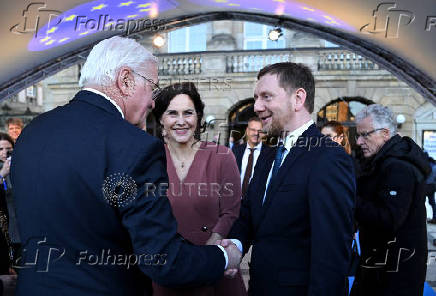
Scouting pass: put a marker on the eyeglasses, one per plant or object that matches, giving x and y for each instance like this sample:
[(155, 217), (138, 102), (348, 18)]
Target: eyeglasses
[(367, 134), (154, 87)]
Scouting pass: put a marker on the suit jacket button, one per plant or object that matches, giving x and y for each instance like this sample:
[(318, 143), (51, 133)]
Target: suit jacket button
[(204, 228)]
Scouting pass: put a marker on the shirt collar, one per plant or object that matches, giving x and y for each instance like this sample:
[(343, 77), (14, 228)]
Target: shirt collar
[(292, 137), (106, 97), (257, 147)]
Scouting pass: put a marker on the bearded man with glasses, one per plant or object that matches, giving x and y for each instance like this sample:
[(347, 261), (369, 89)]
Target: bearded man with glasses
[(390, 208)]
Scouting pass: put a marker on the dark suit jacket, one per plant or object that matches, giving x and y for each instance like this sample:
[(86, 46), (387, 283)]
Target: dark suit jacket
[(59, 166), (238, 151), (302, 235)]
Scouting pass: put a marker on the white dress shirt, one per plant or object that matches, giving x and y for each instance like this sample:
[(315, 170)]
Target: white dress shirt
[(106, 97), (288, 143), (244, 162)]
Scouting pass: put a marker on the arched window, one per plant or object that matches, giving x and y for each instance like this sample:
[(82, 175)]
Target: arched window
[(344, 111), (238, 118)]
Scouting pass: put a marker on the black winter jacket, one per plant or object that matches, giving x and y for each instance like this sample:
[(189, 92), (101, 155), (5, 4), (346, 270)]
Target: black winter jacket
[(391, 217)]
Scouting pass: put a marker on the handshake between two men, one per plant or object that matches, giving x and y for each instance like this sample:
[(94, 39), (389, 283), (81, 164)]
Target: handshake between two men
[(234, 257)]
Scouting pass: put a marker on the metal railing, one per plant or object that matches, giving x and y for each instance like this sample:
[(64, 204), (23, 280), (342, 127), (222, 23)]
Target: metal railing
[(321, 59)]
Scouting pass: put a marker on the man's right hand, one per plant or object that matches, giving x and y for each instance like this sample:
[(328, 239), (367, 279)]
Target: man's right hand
[(234, 256)]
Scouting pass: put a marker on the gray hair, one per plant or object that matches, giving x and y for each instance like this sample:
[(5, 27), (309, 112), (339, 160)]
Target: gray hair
[(382, 117), (108, 56)]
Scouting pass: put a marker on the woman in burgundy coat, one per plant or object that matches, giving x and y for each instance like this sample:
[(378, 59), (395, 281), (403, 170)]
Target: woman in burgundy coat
[(204, 182)]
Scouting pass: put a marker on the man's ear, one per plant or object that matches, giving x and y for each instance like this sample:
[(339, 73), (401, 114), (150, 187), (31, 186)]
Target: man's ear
[(300, 98), (125, 81), (386, 134)]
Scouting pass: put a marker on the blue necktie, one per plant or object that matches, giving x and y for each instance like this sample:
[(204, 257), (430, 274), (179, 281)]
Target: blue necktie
[(278, 160)]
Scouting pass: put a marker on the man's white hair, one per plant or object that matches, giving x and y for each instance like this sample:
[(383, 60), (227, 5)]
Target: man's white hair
[(109, 55), (382, 117)]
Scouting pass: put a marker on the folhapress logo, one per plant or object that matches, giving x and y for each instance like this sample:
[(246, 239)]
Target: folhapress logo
[(388, 20), (34, 15)]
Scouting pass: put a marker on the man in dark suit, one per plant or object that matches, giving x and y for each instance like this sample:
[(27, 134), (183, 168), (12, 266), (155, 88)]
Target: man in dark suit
[(90, 190), (248, 154), (298, 212)]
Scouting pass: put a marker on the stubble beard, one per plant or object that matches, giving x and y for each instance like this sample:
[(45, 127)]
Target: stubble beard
[(275, 129)]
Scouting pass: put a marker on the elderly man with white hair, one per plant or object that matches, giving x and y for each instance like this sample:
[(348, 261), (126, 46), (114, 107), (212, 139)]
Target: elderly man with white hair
[(90, 190), (390, 209)]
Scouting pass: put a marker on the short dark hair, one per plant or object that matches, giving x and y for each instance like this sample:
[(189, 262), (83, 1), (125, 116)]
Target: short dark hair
[(167, 95), (6, 137), (16, 121), (292, 76), (254, 118)]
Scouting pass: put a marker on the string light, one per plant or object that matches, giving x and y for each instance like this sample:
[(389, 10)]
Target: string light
[(158, 41), (275, 34)]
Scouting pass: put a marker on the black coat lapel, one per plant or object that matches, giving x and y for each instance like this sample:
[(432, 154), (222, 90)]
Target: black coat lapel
[(261, 176)]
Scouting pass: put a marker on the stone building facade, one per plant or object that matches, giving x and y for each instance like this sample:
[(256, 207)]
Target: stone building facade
[(225, 72)]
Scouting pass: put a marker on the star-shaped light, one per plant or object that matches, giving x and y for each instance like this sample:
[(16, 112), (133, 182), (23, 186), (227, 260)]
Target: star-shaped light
[(132, 16), (329, 17), (52, 30), (145, 9), (45, 39), (143, 5), (307, 8), (70, 18), (64, 39), (50, 42), (126, 3), (99, 7)]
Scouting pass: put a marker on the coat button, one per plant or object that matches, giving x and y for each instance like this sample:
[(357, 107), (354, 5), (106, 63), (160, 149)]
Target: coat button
[(204, 228)]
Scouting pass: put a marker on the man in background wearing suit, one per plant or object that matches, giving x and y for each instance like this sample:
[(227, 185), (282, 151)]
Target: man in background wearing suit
[(248, 154), (298, 211), (90, 190)]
